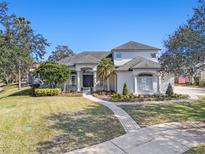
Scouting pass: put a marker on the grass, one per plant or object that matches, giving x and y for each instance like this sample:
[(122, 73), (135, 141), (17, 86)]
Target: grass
[(52, 124), (147, 115), (196, 150)]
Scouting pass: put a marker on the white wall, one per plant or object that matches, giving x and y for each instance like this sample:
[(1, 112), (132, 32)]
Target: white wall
[(125, 77), (128, 55), (165, 80)]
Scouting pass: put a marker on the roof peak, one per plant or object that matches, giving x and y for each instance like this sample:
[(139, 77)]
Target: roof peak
[(132, 45)]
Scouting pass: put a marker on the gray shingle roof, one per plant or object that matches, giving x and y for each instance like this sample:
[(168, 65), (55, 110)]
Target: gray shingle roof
[(134, 46), (139, 63), (85, 58)]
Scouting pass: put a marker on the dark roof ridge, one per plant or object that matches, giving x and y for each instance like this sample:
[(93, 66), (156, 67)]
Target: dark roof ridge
[(132, 45)]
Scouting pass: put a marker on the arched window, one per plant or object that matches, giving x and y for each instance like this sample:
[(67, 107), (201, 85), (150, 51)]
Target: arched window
[(145, 82)]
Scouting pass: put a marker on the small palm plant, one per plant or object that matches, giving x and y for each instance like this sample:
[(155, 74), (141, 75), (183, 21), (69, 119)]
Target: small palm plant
[(105, 69)]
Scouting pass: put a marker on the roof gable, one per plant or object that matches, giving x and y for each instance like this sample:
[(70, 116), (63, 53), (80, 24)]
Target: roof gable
[(132, 45), (139, 62), (147, 64), (84, 58)]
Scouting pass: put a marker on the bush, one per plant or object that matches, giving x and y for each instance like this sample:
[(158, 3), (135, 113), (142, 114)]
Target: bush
[(196, 80), (125, 91), (117, 96), (169, 91), (202, 83), (53, 73), (47, 92)]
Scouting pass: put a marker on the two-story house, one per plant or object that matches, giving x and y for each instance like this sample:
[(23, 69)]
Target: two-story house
[(136, 65)]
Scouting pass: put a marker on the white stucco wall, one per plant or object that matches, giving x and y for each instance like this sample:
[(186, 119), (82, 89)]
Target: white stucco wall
[(165, 80), (128, 77), (125, 77), (128, 55)]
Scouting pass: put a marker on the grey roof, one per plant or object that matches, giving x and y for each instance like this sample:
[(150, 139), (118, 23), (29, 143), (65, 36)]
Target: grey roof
[(85, 58), (131, 45), (139, 63)]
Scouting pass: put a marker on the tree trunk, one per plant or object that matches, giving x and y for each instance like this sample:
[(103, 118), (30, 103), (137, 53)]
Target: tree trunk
[(19, 76), (108, 84)]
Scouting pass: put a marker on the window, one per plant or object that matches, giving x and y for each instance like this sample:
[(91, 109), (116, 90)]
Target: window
[(153, 55), (145, 83), (73, 80), (118, 55)]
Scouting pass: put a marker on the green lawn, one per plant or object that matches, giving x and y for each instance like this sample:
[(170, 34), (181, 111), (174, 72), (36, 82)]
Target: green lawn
[(197, 150), (160, 113), (52, 124)]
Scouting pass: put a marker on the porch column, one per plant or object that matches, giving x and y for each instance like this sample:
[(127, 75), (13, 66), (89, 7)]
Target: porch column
[(135, 84), (158, 84), (94, 80), (78, 81)]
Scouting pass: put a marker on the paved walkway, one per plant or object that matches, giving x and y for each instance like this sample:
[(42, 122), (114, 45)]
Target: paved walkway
[(127, 122), (170, 138)]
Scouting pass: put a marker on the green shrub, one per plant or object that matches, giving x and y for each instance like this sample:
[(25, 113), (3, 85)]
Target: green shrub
[(202, 83), (125, 91), (132, 96), (196, 80), (117, 96), (125, 97), (169, 91), (47, 92)]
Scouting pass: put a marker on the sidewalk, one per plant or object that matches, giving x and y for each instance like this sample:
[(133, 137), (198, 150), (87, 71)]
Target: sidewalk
[(169, 138)]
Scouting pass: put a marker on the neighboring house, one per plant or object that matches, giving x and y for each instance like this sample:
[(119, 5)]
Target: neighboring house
[(182, 79), (136, 65), (30, 75), (201, 72)]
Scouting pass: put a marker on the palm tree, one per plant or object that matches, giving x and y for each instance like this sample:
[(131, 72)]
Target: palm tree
[(23, 29), (105, 69)]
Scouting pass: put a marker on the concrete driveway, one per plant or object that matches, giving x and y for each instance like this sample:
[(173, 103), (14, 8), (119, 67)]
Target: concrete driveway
[(169, 138), (193, 92)]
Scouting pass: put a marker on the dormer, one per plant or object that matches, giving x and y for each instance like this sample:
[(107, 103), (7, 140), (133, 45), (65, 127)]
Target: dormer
[(126, 52)]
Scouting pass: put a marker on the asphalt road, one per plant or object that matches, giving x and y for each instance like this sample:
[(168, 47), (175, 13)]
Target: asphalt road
[(193, 92)]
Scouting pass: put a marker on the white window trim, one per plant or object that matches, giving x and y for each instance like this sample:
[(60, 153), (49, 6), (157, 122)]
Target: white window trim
[(145, 78)]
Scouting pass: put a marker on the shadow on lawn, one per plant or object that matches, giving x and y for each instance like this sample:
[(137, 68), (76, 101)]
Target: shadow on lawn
[(80, 129), (25, 92), (155, 114)]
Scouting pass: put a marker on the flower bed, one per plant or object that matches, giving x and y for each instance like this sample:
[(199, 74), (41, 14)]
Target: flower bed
[(104, 95), (140, 98), (116, 97)]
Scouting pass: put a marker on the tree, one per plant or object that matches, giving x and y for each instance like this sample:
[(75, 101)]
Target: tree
[(185, 48), (125, 91), (29, 44), (18, 40), (105, 68), (60, 52), (169, 91), (52, 73), (181, 56), (8, 62)]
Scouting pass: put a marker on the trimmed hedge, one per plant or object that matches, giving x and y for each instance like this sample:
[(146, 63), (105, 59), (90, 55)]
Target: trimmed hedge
[(47, 92)]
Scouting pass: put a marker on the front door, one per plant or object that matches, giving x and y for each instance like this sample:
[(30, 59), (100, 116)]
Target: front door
[(87, 80)]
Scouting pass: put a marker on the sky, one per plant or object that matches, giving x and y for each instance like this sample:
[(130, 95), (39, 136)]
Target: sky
[(100, 25)]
